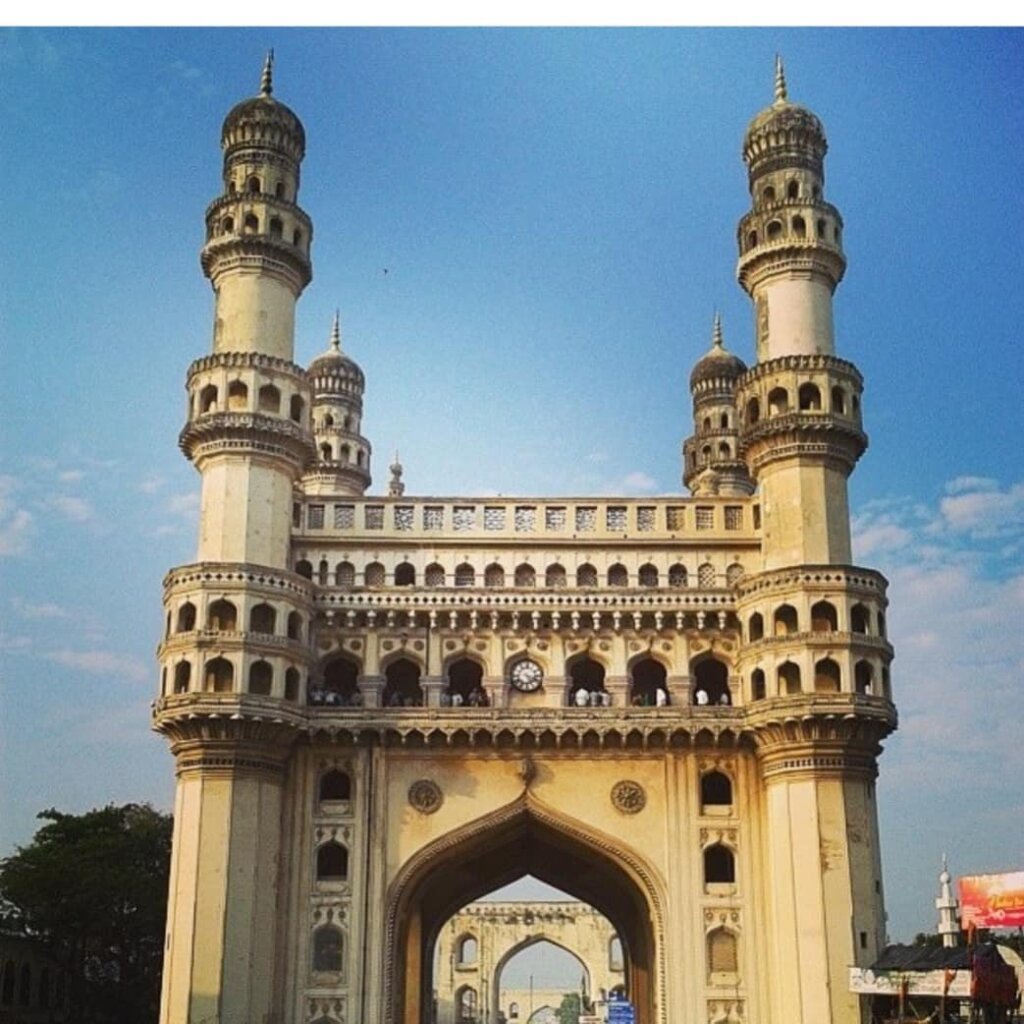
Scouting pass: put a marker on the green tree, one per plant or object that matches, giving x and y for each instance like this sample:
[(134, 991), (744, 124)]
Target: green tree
[(570, 1010), (93, 889)]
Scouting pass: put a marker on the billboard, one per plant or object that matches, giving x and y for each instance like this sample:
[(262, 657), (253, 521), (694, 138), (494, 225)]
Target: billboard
[(993, 901)]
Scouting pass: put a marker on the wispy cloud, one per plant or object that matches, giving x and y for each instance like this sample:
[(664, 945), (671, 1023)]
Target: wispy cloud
[(186, 505), (45, 610), (166, 530), (71, 507), (70, 476), (191, 74), (151, 484), (957, 609), (16, 522), (978, 507), (98, 662)]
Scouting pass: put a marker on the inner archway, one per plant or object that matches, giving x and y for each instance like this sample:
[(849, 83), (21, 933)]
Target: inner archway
[(521, 839), (540, 975)]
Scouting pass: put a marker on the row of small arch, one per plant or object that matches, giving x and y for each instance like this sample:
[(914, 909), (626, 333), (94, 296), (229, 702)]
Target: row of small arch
[(344, 454), (524, 575), (828, 678), (251, 226), (465, 675), (824, 618), (222, 615), (268, 400), (769, 195), (254, 187), (808, 400), (797, 226), (219, 677)]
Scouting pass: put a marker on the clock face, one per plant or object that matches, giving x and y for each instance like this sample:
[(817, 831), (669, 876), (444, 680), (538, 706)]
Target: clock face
[(526, 676)]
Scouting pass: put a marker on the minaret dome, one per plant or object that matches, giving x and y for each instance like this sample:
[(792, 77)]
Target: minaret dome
[(343, 454)]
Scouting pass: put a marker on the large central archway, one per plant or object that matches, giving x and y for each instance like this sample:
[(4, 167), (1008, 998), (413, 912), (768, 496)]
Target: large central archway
[(524, 838)]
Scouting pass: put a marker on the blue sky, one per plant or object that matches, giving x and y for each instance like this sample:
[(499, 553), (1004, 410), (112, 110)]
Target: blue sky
[(556, 211)]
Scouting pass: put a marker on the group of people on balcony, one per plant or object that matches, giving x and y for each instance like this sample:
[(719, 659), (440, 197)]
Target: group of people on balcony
[(476, 698), (322, 695), (402, 685), (702, 698)]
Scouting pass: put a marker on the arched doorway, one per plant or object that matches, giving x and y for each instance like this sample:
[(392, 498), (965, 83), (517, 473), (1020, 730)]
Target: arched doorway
[(506, 991), (521, 839)]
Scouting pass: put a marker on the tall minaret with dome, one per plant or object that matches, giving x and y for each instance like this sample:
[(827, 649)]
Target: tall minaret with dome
[(799, 405), (238, 618)]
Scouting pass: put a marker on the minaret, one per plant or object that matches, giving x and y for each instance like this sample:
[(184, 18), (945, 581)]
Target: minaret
[(799, 405), (236, 654), (343, 454), (395, 486), (948, 908), (814, 654), (711, 460)]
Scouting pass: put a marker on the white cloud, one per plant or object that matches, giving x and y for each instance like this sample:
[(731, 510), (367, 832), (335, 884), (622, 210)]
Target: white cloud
[(108, 663), (187, 71), (971, 483), (151, 484), (638, 482), (870, 539), (45, 610), (16, 523), (74, 509), (985, 511), (186, 505), (70, 476), (164, 531), (955, 621)]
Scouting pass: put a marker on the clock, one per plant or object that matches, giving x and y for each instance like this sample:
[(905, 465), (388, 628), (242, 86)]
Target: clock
[(526, 675)]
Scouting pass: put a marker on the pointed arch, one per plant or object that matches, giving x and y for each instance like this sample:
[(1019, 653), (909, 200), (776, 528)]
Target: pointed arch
[(523, 837)]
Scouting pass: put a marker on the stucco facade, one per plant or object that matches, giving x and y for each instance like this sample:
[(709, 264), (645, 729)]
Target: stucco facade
[(384, 707)]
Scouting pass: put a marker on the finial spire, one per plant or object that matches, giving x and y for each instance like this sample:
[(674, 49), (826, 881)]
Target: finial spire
[(781, 95), (395, 486), (267, 78), (716, 335), (336, 332)]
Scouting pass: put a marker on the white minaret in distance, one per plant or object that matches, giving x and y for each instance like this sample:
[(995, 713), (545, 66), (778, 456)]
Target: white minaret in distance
[(948, 908)]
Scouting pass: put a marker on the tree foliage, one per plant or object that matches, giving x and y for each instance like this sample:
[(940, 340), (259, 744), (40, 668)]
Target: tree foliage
[(93, 889), (570, 1010)]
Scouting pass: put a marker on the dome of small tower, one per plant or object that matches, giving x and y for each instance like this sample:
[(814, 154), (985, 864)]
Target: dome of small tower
[(718, 362), (262, 120), (334, 366), (783, 126)]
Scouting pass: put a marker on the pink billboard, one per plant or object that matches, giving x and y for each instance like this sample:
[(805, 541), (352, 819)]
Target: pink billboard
[(993, 901)]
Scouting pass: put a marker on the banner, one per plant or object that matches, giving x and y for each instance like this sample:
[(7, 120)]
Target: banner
[(866, 982), (993, 901)]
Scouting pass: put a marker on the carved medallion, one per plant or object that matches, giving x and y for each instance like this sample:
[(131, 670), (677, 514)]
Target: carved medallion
[(425, 796), (628, 797)]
